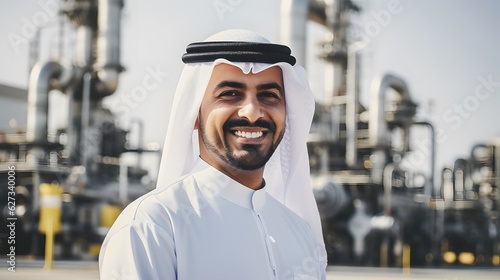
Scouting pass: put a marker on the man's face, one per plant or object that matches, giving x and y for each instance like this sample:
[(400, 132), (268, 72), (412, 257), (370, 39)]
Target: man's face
[(242, 117)]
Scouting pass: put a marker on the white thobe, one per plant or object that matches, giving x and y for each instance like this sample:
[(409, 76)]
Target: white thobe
[(207, 226)]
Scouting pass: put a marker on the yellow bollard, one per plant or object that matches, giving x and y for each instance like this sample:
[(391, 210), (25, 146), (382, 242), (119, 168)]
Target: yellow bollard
[(406, 258), (50, 218), (109, 214)]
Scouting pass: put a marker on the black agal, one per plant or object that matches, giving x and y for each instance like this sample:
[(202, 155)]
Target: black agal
[(238, 52)]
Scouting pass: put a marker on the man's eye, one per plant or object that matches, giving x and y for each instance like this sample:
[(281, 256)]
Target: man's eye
[(269, 94), (229, 93)]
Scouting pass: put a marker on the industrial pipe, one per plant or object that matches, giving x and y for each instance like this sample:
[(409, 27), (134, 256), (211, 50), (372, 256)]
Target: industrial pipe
[(352, 105), (41, 82), (429, 190), (335, 52), (83, 54), (294, 16), (447, 191), (378, 123), (459, 174), (108, 46)]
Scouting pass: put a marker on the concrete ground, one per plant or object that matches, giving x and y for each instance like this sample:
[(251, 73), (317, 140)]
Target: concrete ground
[(30, 270)]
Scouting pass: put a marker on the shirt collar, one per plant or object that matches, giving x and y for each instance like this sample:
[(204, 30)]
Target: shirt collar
[(220, 184)]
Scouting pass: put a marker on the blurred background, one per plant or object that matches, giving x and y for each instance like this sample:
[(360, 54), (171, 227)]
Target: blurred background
[(404, 149)]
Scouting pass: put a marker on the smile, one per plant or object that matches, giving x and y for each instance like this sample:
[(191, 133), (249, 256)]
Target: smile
[(250, 135)]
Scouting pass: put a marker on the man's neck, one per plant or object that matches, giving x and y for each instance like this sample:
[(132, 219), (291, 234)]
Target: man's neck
[(253, 179), (247, 178)]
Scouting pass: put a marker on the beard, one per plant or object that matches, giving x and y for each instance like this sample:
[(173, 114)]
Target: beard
[(252, 158)]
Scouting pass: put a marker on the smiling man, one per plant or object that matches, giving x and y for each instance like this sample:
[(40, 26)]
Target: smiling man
[(233, 199)]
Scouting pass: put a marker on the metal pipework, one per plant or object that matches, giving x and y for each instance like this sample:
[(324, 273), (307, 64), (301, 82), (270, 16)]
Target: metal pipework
[(108, 46), (496, 158), (43, 78), (387, 183), (378, 123), (41, 82), (335, 49), (140, 139), (352, 105), (294, 16), (332, 13), (85, 121), (83, 55), (430, 191), (459, 175), (38, 100), (447, 192)]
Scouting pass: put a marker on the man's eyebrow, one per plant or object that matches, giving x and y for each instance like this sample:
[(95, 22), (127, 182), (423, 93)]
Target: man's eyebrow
[(231, 84), (271, 85)]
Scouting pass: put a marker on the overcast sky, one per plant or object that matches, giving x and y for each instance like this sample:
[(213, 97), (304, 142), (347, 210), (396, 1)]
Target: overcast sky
[(447, 51)]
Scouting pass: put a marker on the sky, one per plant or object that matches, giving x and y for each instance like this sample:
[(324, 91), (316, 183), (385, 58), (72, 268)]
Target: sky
[(446, 51)]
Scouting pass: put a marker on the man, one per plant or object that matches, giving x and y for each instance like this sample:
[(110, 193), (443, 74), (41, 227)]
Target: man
[(233, 198)]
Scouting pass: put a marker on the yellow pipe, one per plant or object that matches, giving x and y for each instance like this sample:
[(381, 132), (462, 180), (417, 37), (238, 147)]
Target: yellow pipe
[(50, 218), (406, 258), (49, 244)]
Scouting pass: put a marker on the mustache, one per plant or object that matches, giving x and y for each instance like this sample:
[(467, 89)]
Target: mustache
[(243, 122)]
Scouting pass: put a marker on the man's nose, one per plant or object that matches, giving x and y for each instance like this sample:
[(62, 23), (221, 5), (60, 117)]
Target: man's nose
[(251, 110)]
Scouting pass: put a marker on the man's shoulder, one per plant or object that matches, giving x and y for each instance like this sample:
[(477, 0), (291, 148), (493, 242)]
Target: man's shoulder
[(175, 192), (163, 197), (156, 204)]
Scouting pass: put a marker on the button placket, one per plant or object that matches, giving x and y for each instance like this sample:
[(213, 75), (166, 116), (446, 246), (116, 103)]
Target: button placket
[(258, 201)]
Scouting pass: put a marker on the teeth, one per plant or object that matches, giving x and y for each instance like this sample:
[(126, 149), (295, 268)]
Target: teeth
[(248, 134)]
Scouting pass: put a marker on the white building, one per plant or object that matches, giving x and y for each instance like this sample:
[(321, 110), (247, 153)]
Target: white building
[(13, 106)]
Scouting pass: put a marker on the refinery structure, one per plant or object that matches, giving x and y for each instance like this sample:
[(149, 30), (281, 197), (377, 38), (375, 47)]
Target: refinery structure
[(376, 209)]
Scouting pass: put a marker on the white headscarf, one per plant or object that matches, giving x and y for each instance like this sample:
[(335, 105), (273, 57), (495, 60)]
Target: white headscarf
[(287, 172)]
